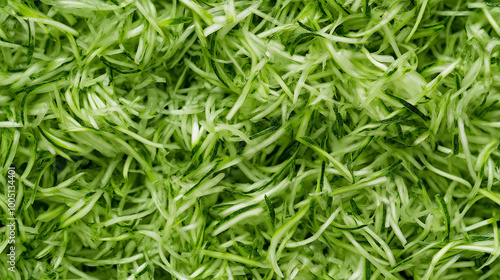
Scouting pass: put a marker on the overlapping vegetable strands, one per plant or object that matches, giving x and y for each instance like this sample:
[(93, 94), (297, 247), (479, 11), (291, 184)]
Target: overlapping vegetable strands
[(322, 139)]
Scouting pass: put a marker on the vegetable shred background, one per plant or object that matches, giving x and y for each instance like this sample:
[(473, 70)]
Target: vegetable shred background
[(287, 139)]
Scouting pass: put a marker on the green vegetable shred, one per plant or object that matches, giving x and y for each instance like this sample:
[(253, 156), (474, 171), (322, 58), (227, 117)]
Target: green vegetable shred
[(250, 139)]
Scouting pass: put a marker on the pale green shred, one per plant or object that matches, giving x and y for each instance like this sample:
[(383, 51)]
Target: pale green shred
[(267, 139)]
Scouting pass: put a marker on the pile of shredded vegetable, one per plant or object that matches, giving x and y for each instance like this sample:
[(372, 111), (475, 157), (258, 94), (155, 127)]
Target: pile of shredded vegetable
[(264, 139)]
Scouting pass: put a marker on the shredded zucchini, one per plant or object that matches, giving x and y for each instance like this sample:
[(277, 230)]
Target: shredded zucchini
[(236, 139)]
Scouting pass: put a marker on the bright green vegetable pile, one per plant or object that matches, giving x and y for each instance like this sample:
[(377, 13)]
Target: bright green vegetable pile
[(296, 139)]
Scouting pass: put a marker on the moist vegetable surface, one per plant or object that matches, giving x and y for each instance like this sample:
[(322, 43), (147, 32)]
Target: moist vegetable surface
[(191, 139)]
